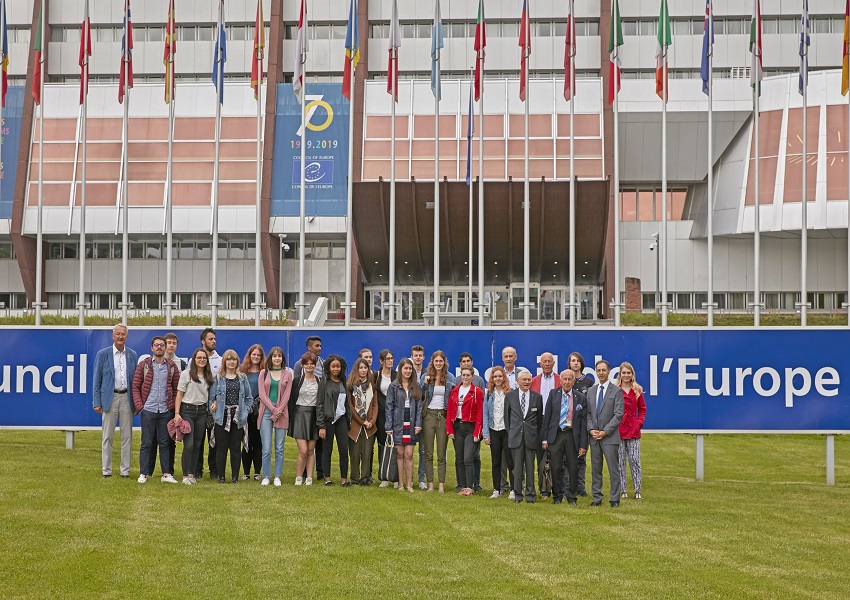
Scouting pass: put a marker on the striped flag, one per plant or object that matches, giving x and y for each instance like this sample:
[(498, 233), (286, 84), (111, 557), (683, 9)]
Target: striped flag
[(436, 46), (39, 59), (480, 43), (85, 52), (845, 57), (570, 54), (170, 52), (125, 72), (665, 40), (615, 40), (4, 53), (756, 72), (525, 44), (394, 43), (219, 54), (470, 130), (707, 46), (352, 49), (259, 51), (805, 41), (301, 48)]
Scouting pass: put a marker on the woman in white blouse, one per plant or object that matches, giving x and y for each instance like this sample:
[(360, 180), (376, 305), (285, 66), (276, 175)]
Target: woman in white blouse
[(191, 404), (439, 383), (495, 433), (302, 417), (383, 378)]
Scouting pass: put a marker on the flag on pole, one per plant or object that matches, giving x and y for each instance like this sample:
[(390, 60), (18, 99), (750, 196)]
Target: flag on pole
[(219, 54), (480, 43), (707, 46), (4, 54), (170, 52), (805, 41), (259, 51), (85, 53), (570, 54), (352, 50), (125, 72), (756, 72), (470, 129), (394, 43), (301, 48), (615, 40), (436, 46), (36, 79), (845, 58), (665, 40), (525, 44)]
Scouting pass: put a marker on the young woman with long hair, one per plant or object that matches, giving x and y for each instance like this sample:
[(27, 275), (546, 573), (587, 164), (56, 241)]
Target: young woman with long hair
[(252, 454), (404, 419), (438, 387), (384, 376), (463, 426), (494, 430), (230, 402), (191, 404), (275, 387), (364, 412), (302, 415), (334, 418), (634, 415)]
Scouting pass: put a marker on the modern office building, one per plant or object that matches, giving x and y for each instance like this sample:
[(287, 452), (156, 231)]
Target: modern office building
[(504, 149)]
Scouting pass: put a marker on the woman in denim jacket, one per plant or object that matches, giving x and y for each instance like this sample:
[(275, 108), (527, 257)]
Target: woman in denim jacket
[(230, 402), (438, 386)]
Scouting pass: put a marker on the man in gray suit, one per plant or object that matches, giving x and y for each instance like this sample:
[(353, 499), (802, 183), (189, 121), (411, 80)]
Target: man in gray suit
[(605, 411), (524, 422)]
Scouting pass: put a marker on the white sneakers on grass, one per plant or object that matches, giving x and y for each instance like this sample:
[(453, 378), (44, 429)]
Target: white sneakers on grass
[(299, 481), (143, 479), (308, 481), (512, 496), (168, 478), (496, 494), (277, 482), (384, 484), (265, 481)]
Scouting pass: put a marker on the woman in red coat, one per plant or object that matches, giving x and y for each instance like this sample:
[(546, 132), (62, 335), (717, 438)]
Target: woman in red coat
[(464, 423), (634, 414)]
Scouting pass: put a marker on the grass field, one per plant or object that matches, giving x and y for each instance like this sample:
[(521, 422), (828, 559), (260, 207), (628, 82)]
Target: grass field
[(762, 525)]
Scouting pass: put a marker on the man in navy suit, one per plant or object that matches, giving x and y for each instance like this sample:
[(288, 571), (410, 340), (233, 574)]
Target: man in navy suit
[(565, 434), (604, 413), (524, 423), (112, 397)]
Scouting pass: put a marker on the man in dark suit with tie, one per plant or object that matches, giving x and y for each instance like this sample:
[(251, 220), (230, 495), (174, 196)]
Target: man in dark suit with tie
[(565, 434), (605, 411), (524, 422)]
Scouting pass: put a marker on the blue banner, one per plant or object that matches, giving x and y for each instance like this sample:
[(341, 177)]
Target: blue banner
[(326, 151), (695, 380), (10, 139)]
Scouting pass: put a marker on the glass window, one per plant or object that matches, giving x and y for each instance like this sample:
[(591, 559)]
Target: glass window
[(630, 27), (250, 250), (408, 30), (681, 27), (291, 31), (648, 300), (628, 205), (560, 29), (204, 250), (648, 28), (308, 250), (6, 252), (788, 25), (544, 29), (184, 301), (69, 250), (821, 25), (719, 27), (137, 250), (54, 251), (510, 30), (137, 300), (338, 251), (23, 37), (73, 34), (592, 28), (458, 30), (423, 31), (153, 250), (153, 301), (104, 34), (291, 253), (69, 301), (205, 34), (187, 34), (338, 32), (683, 301), (321, 250), (156, 34), (646, 205), (840, 299), (736, 301), (204, 299), (101, 301), (237, 250), (379, 31), (236, 301)]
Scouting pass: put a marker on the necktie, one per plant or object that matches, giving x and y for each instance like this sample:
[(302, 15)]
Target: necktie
[(599, 400), (565, 410), (522, 404)]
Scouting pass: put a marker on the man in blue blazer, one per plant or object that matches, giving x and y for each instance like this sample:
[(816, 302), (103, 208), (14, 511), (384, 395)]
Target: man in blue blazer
[(565, 435), (604, 413), (112, 397)]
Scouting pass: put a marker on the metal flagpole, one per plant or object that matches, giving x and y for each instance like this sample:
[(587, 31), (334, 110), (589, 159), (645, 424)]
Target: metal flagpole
[(471, 205), (125, 219), (436, 304), (481, 203), (757, 224), (663, 244), (258, 239), (710, 203), (571, 303), (349, 245), (804, 228), (84, 85), (526, 221), (218, 76), (39, 234), (302, 221), (392, 200), (169, 224)]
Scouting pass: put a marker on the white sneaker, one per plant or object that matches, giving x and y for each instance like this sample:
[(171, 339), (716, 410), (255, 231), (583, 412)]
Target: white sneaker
[(384, 484), (193, 481), (496, 494), (265, 481), (423, 485), (298, 481), (143, 479), (512, 496), (395, 485), (187, 481), (308, 481), (167, 478), (277, 481)]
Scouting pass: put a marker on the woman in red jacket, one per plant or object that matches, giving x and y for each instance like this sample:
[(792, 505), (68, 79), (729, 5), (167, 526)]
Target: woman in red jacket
[(634, 414), (464, 422)]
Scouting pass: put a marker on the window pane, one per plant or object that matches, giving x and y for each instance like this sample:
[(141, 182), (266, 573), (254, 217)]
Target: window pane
[(511, 30), (683, 301), (628, 206), (203, 251), (184, 301), (188, 34), (337, 32), (156, 34), (646, 205), (237, 250), (137, 250), (630, 27), (153, 251), (187, 251), (544, 29), (153, 301), (137, 300), (458, 30), (770, 26), (69, 250), (250, 251), (321, 250), (787, 25), (561, 29), (408, 30), (592, 28), (423, 31)]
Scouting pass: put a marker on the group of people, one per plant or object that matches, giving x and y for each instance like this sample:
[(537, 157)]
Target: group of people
[(539, 425)]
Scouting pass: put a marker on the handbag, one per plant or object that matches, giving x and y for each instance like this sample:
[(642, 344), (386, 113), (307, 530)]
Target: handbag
[(388, 470)]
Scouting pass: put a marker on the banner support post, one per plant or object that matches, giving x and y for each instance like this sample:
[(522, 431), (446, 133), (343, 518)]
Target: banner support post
[(830, 459), (700, 457)]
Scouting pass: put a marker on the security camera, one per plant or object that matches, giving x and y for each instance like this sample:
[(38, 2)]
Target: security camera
[(286, 247), (653, 246)]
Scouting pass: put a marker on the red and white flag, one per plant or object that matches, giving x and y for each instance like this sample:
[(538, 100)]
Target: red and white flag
[(85, 53), (525, 44), (570, 55), (300, 49), (392, 49)]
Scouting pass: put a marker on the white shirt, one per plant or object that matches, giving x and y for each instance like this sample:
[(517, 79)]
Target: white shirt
[(438, 399), (119, 363), (527, 401), (214, 361), (512, 378), (385, 384), (604, 388), (547, 384), (498, 410), (464, 390)]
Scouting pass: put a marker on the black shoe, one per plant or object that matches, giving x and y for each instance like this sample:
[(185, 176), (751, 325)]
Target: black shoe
[(352, 482), (125, 477), (582, 493), (214, 475), (257, 477), (329, 483), (595, 503), (365, 482), (106, 476), (571, 501), (478, 488), (346, 484), (615, 505), (220, 480), (557, 501), (517, 500), (369, 481), (234, 480)]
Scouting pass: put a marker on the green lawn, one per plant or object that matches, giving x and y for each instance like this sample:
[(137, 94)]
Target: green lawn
[(763, 525)]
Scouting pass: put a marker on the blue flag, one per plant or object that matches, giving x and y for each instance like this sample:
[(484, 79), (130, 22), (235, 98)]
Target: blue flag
[(805, 41), (707, 47), (219, 54), (436, 46), (470, 129)]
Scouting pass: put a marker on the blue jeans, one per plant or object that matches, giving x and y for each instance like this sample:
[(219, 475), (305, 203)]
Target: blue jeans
[(155, 427), (267, 429)]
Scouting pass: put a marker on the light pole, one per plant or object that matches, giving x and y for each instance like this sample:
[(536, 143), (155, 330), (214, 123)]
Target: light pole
[(284, 247), (652, 247)]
